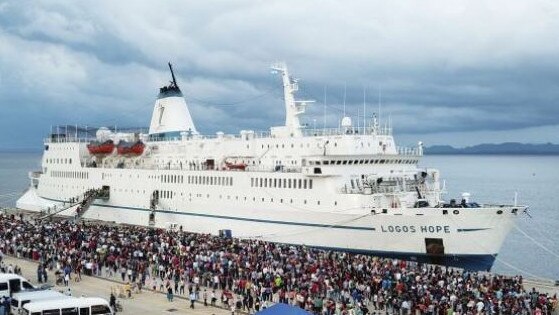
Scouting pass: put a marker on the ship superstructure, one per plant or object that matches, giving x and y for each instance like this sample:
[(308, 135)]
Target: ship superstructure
[(346, 188)]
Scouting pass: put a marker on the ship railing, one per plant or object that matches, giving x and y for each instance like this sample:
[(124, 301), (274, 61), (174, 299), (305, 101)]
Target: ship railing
[(367, 189), (35, 174), (277, 169), (319, 132), (407, 151), (251, 135), (186, 167), (500, 205), (68, 140), (307, 132)]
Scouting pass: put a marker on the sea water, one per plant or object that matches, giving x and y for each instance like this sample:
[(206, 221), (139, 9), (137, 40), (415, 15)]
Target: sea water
[(530, 249)]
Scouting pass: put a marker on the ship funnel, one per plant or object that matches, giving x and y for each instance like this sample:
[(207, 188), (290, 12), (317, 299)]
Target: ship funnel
[(170, 113)]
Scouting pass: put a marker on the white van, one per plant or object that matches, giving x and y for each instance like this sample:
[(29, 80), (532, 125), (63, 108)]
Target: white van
[(21, 298), (71, 306), (11, 283)]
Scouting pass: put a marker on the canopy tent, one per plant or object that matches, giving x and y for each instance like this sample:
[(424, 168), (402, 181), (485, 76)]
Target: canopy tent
[(283, 309)]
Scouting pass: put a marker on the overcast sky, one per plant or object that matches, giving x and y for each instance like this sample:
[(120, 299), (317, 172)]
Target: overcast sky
[(451, 72)]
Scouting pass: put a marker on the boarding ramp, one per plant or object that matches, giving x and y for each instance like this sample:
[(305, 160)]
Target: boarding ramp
[(83, 203), (51, 212)]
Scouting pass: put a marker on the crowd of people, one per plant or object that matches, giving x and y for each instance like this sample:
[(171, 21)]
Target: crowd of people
[(249, 274)]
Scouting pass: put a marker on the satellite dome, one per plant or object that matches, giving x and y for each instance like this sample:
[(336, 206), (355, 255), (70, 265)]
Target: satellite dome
[(346, 122), (103, 133)]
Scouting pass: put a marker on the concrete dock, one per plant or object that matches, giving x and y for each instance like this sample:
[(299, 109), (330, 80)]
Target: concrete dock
[(146, 302)]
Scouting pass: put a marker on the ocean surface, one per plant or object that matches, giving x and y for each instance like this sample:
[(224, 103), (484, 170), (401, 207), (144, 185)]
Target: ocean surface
[(532, 249)]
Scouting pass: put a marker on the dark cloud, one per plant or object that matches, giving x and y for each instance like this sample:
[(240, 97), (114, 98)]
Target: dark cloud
[(460, 68)]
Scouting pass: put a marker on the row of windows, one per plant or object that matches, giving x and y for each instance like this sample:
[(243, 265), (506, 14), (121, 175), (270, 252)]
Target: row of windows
[(198, 180), (95, 309), (69, 174), (355, 162), (319, 145), (281, 183), (59, 161), (171, 194), (165, 194)]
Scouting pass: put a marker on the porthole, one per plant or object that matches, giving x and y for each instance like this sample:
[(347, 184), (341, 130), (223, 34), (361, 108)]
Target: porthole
[(499, 211), (456, 212)]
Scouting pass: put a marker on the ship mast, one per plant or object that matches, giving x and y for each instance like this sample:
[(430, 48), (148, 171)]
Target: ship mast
[(173, 74), (293, 108)]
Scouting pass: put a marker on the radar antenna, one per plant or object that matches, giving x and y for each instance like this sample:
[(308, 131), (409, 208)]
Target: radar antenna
[(173, 74)]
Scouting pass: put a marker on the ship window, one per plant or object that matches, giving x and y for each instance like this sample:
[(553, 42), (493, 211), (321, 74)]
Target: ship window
[(356, 161), (325, 162), (305, 184), (305, 201), (318, 202), (275, 182), (310, 183), (349, 162), (345, 162), (289, 183), (300, 184)]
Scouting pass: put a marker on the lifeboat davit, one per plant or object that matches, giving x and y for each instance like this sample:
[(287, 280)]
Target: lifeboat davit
[(96, 147), (128, 148), (237, 166)]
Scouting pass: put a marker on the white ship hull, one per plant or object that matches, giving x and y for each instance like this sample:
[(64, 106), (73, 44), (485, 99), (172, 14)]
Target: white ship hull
[(343, 188), (471, 238)]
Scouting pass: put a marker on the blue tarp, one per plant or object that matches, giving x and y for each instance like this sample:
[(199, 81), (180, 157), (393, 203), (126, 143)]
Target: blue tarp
[(283, 309)]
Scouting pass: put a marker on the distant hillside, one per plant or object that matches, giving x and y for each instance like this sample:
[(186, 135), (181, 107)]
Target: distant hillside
[(503, 148)]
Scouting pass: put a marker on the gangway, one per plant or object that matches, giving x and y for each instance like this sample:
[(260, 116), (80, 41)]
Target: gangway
[(90, 196), (56, 211), (82, 204)]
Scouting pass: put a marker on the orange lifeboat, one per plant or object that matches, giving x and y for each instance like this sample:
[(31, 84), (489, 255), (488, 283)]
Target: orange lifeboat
[(127, 148), (96, 147), (238, 166)]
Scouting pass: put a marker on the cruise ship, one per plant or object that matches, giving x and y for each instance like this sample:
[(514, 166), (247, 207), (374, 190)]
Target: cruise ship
[(346, 188)]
